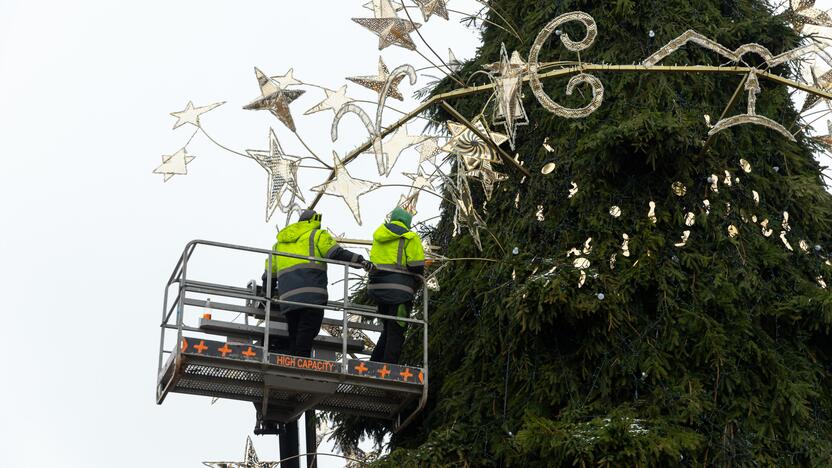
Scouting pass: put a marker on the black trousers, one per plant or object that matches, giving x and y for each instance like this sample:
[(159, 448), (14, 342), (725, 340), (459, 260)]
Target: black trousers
[(389, 346), (304, 326)]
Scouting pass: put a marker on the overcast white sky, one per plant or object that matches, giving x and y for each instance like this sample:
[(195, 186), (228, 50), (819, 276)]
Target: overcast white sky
[(89, 234)]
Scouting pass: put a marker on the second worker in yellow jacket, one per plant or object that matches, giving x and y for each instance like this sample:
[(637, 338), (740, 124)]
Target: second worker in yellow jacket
[(399, 262)]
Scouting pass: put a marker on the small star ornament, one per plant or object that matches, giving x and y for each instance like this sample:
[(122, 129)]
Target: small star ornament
[(334, 101), (275, 99), (343, 185), (390, 29), (284, 81), (174, 164), (282, 171), (190, 115), (250, 460), (433, 7), (429, 150), (376, 83)]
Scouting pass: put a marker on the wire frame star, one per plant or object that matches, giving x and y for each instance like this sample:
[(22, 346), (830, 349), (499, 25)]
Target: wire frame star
[(508, 84), (376, 83), (804, 13), (381, 5), (466, 215), (390, 29), (274, 99), (334, 101), (284, 81), (465, 143), (429, 150), (174, 164), (393, 147), (282, 175), (250, 460), (489, 178), (343, 185), (190, 115), (420, 182), (433, 7)]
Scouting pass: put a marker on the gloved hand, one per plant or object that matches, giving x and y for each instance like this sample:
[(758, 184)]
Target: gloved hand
[(368, 266)]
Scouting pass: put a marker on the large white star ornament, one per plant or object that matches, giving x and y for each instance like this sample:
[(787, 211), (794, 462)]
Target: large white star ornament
[(397, 142), (274, 99), (190, 115), (343, 185), (334, 101), (174, 164), (508, 82), (250, 460), (282, 171)]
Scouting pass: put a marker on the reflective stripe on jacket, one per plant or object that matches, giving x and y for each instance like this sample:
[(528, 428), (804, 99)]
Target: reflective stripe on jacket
[(398, 254), (302, 280)]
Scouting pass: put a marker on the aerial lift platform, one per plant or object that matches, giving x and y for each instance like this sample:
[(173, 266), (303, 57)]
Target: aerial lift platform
[(201, 355)]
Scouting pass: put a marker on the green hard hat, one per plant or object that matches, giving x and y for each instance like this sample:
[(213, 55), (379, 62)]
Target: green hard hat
[(399, 214)]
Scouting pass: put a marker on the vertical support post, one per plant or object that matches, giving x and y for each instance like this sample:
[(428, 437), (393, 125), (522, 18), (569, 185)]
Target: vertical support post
[(268, 290), (162, 337), (311, 439), (345, 325), (180, 307), (289, 446)]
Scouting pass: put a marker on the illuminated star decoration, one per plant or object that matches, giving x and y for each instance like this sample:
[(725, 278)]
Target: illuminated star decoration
[(433, 7), (470, 147), (390, 29), (453, 63), (282, 171), (397, 6), (804, 12), (376, 83), (429, 150), (487, 176), (284, 81), (334, 100), (420, 182), (397, 142), (174, 164), (274, 99), (250, 460), (466, 215), (508, 83), (345, 186), (190, 115)]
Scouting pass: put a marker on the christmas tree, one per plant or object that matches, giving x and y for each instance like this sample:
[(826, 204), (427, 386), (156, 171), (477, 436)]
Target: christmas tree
[(659, 296)]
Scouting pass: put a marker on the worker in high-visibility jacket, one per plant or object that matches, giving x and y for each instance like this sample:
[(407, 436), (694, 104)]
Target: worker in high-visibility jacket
[(303, 281), (399, 262)]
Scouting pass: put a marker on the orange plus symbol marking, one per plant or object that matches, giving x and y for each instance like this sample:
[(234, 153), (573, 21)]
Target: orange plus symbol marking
[(249, 353), (406, 374), (200, 347), (361, 368), (384, 372), (225, 350)]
